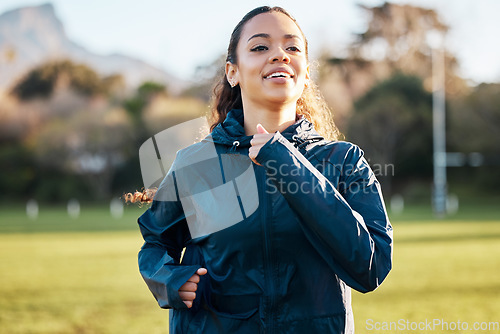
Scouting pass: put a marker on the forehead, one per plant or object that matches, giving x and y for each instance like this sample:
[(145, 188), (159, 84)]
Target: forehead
[(275, 24)]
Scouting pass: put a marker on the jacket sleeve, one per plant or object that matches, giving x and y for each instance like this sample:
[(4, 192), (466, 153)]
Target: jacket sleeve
[(348, 226), (165, 232)]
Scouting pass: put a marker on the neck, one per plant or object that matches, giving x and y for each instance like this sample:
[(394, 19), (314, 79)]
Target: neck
[(273, 118)]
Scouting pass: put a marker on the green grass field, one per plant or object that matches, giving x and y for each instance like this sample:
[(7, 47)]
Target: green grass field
[(63, 275)]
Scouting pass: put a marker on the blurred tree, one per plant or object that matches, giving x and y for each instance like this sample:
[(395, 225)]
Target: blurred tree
[(115, 86), (399, 35), (44, 79), (393, 124), (78, 134), (149, 89), (18, 171), (88, 144), (128, 174), (474, 126), (396, 40), (145, 93), (152, 110), (10, 127), (69, 136), (474, 114)]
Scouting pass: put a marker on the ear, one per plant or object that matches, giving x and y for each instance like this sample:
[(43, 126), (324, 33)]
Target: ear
[(232, 73)]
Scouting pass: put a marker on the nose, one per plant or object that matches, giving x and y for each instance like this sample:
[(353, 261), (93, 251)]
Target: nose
[(280, 56)]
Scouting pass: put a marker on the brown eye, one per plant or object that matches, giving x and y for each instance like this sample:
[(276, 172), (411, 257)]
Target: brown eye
[(294, 49), (259, 48)]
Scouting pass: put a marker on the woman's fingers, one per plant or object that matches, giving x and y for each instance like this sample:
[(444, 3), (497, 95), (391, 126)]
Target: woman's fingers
[(195, 278), (258, 140), (253, 151), (202, 271), (261, 139), (187, 296), (187, 290), (252, 154), (189, 286)]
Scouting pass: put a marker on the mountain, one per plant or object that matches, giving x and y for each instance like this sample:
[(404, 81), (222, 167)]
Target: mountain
[(33, 35)]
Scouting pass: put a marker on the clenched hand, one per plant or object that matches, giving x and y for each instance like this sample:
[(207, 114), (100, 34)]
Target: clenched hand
[(187, 291), (258, 141)]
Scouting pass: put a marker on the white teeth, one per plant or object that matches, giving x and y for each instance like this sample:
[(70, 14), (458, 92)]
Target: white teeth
[(278, 74)]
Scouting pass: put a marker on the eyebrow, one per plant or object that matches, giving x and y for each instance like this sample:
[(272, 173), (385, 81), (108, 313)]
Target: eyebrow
[(263, 35)]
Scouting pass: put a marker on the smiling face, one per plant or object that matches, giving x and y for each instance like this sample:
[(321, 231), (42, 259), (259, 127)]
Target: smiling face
[(272, 64)]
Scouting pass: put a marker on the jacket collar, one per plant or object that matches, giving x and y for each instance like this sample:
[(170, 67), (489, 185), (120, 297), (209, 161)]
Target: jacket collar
[(231, 131)]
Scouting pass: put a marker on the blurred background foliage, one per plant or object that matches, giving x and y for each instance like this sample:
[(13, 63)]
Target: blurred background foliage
[(68, 132)]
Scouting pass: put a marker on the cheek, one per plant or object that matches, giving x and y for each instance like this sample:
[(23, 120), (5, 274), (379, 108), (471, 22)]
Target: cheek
[(249, 72), (302, 65), (302, 75)]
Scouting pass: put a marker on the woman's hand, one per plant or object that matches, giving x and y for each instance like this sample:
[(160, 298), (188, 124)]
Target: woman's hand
[(187, 290), (258, 141)]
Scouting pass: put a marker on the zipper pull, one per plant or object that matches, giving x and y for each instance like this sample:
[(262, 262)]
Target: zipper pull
[(232, 150)]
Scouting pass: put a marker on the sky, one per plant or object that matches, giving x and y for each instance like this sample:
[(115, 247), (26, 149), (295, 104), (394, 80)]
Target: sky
[(178, 36)]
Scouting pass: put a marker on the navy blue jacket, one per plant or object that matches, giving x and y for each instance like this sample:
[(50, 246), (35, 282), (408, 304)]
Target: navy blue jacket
[(283, 243)]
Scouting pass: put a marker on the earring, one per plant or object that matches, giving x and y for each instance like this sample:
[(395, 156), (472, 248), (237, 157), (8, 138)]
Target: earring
[(232, 83)]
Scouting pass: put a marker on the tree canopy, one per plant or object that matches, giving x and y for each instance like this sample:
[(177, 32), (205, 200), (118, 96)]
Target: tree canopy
[(42, 80), (393, 124)]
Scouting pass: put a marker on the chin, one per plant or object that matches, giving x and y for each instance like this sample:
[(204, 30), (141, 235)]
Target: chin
[(282, 97)]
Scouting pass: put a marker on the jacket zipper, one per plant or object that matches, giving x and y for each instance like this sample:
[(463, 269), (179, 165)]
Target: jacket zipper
[(268, 267)]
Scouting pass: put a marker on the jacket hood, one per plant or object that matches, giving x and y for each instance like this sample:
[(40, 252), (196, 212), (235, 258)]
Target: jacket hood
[(232, 130)]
